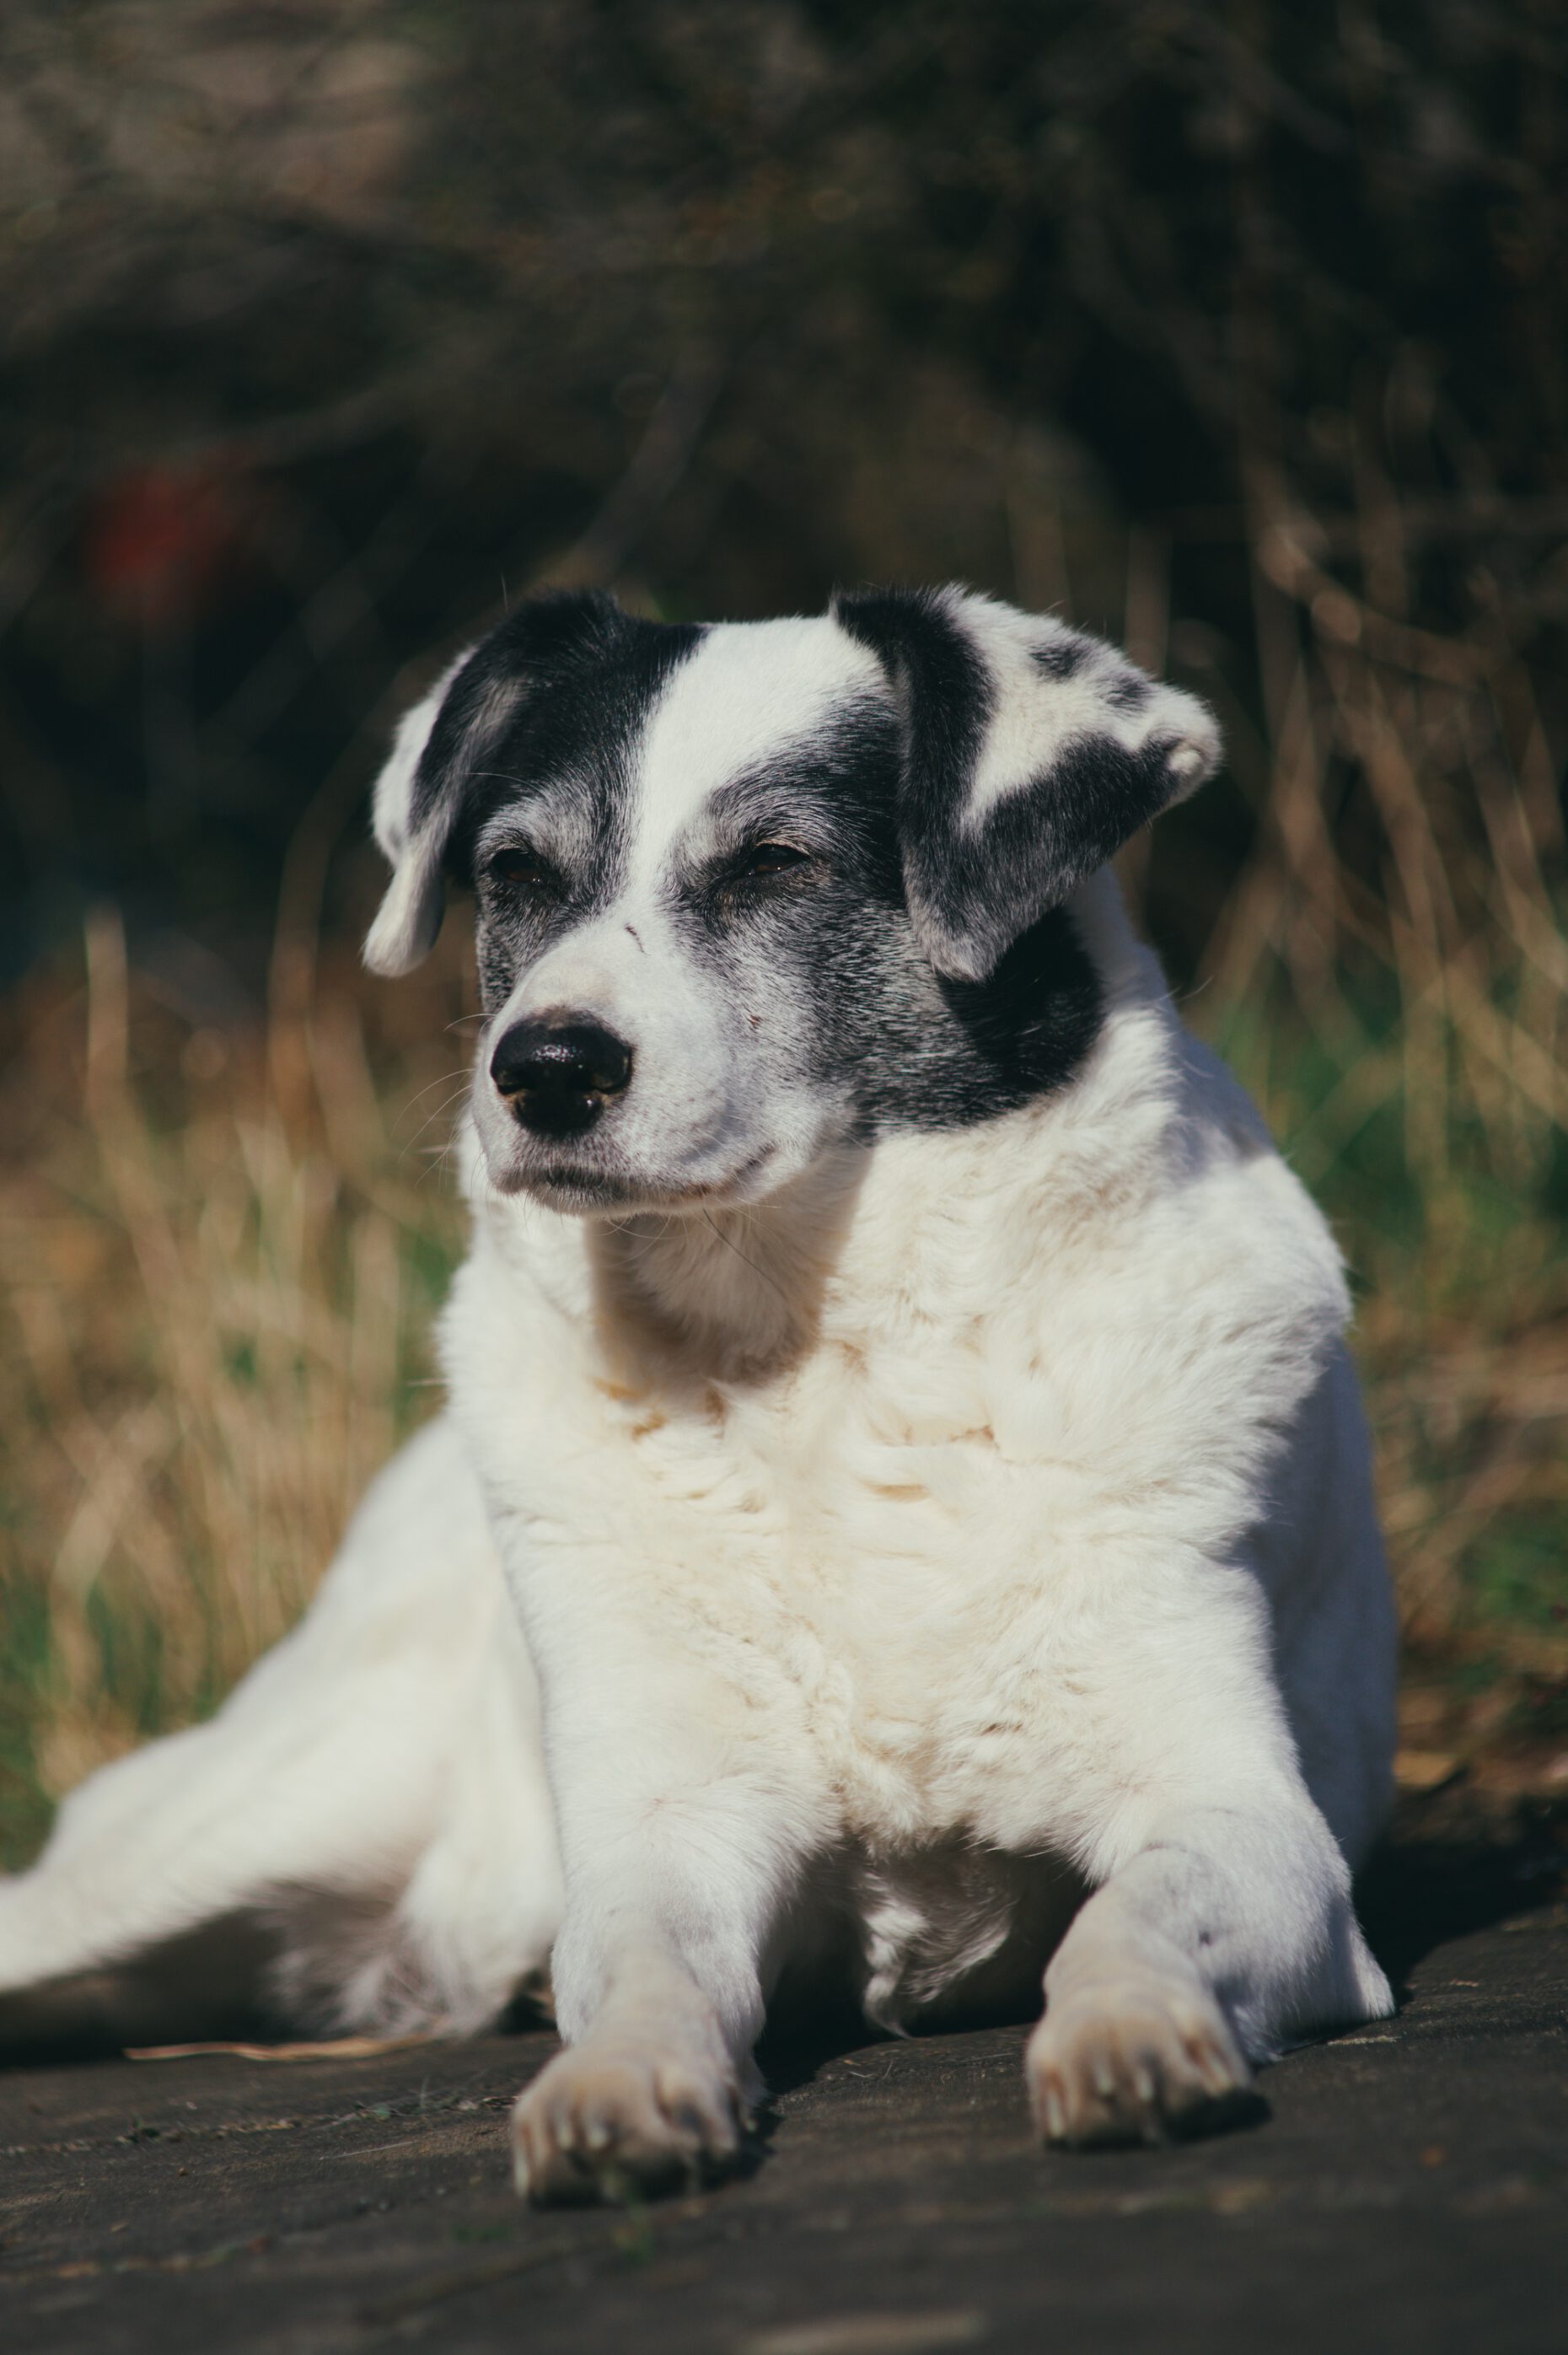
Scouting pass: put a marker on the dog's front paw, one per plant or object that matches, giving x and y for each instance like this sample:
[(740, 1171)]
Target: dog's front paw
[(605, 2122), (1127, 2063)]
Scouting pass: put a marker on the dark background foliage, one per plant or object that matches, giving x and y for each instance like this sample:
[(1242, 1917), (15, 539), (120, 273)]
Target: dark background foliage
[(332, 325)]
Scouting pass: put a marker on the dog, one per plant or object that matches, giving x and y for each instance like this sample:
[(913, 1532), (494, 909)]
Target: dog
[(903, 1522)]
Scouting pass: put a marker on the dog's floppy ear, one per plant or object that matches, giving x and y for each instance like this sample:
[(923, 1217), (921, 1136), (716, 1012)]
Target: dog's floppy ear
[(409, 918), (1030, 753), (440, 749)]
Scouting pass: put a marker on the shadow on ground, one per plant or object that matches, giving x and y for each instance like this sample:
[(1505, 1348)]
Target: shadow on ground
[(1453, 1864)]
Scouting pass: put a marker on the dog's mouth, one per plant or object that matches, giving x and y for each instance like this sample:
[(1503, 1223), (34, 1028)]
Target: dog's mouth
[(574, 1188)]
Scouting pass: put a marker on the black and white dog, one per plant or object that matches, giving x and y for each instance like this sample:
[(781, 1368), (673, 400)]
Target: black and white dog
[(904, 1511)]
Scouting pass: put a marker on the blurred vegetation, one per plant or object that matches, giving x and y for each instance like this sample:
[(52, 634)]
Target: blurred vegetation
[(1235, 331)]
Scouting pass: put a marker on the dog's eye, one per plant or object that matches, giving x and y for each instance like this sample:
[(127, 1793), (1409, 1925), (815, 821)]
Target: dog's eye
[(516, 869), (761, 860)]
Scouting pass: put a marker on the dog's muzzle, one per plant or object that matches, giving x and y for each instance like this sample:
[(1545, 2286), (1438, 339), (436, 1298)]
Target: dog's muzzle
[(560, 1072)]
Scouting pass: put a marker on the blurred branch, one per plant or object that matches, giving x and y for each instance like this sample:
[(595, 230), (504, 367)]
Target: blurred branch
[(658, 464)]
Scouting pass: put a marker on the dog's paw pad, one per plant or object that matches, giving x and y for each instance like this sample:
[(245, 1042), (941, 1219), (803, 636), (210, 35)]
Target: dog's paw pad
[(1130, 2064), (610, 2124)]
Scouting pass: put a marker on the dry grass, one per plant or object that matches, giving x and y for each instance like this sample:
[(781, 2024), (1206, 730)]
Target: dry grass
[(221, 1252), (1392, 977), (223, 1249)]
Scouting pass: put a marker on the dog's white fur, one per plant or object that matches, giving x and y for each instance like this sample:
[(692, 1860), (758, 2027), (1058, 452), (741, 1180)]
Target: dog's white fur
[(981, 1520)]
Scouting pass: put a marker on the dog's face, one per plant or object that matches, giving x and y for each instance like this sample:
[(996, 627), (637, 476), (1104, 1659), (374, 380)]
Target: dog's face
[(746, 890)]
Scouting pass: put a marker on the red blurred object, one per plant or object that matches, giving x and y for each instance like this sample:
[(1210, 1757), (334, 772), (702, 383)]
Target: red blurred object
[(160, 541)]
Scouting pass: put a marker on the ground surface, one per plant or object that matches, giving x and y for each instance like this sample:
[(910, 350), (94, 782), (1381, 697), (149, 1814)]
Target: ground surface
[(1406, 2188)]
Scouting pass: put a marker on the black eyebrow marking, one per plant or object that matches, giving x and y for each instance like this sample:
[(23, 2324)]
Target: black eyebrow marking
[(1063, 658), (831, 767), (564, 688)]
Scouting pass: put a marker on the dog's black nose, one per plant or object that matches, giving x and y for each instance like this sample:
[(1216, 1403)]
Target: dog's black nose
[(560, 1072)]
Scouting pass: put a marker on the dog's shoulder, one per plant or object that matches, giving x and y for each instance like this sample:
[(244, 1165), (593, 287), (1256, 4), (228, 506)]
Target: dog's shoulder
[(1123, 1284), (1151, 1179)]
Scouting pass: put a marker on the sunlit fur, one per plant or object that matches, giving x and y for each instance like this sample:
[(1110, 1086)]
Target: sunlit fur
[(931, 1527)]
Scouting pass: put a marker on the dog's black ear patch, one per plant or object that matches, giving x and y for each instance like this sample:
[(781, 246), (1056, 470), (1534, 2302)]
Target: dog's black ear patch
[(441, 746), (1030, 753)]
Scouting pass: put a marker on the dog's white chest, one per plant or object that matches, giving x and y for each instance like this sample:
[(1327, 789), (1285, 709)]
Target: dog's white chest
[(845, 1555), (859, 1612)]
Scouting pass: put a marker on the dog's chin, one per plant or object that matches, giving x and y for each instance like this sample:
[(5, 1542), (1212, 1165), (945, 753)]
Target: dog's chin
[(581, 1190)]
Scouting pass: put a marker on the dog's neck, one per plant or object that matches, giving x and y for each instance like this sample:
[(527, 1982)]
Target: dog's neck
[(731, 1295)]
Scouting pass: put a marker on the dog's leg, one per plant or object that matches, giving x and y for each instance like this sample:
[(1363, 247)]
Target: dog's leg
[(680, 1862), (1222, 1924), (353, 1764)]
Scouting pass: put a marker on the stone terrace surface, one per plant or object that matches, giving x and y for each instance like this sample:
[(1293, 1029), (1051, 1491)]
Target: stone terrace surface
[(1401, 2187)]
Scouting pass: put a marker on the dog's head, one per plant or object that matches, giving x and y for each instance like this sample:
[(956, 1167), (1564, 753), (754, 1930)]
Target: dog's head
[(747, 889)]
